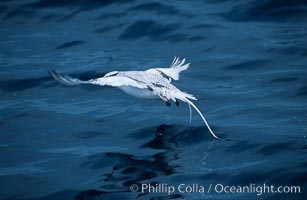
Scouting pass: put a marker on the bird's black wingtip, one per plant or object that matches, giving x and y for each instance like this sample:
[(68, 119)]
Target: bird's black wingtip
[(52, 73), (65, 80)]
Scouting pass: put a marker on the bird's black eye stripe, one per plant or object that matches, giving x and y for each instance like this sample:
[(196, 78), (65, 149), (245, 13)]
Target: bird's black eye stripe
[(109, 75), (114, 74)]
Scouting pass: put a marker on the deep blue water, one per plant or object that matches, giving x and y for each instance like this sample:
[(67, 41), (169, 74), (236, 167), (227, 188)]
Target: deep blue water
[(248, 70)]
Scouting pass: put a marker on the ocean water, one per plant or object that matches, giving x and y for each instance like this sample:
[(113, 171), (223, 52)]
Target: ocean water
[(248, 70)]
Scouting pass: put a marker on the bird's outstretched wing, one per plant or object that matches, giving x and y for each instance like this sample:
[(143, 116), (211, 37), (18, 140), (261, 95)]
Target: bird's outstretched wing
[(175, 68), (115, 81)]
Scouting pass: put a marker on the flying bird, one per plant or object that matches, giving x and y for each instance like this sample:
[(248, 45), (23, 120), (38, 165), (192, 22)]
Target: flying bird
[(151, 83)]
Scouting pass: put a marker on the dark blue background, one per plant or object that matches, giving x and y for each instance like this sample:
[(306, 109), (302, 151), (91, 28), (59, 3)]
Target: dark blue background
[(248, 70)]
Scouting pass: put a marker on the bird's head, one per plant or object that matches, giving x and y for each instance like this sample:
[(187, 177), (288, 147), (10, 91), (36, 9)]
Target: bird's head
[(113, 73)]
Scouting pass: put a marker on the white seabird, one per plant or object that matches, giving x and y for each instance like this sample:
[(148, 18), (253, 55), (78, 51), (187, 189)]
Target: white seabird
[(152, 83)]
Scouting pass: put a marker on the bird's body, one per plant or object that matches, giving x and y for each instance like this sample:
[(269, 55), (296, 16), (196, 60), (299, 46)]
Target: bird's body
[(152, 83), (139, 93)]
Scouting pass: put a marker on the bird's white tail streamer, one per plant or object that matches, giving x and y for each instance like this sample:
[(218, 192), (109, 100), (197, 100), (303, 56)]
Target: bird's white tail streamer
[(201, 115), (190, 113)]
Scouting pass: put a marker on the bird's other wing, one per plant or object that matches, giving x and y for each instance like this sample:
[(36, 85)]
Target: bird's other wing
[(115, 81), (175, 68)]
